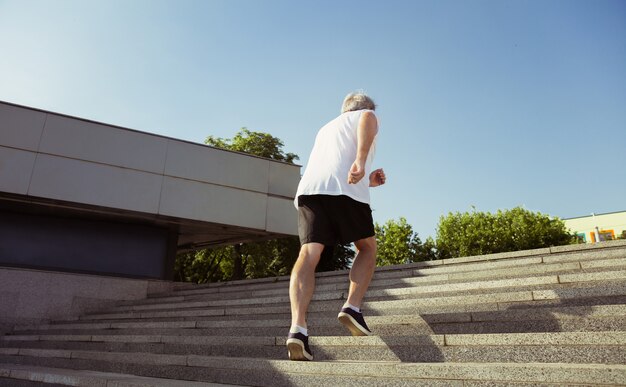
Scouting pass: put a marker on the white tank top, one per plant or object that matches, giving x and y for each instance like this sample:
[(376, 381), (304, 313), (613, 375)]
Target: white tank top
[(332, 156)]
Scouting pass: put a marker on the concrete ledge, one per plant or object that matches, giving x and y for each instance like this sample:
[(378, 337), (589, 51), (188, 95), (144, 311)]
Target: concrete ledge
[(588, 246), (599, 276), (491, 257), (35, 297)]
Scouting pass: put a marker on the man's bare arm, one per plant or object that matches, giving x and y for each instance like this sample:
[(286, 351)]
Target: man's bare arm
[(366, 132)]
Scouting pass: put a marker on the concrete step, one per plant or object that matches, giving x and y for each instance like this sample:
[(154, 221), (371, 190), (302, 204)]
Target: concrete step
[(523, 268), (615, 258), (549, 319), (563, 347), (599, 354), (339, 279), (553, 316), (379, 325), (609, 292), (456, 309), (552, 291), (481, 286), (583, 253), (13, 374), (265, 372), (448, 265)]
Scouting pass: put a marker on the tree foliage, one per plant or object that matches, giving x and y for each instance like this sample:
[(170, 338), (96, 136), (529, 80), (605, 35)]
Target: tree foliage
[(477, 233), (471, 233), (398, 243), (255, 143), (256, 260), (336, 257), (202, 266)]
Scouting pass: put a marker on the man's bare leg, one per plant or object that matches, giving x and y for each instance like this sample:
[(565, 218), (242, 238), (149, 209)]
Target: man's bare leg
[(302, 283), (362, 270), (360, 277)]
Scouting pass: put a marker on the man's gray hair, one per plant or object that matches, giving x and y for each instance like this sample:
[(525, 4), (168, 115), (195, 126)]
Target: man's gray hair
[(357, 100)]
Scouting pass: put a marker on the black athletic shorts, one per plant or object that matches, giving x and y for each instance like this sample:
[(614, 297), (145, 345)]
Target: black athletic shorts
[(329, 220)]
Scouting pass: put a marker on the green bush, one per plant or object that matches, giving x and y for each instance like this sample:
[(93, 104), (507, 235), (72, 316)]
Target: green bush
[(398, 243), (477, 233)]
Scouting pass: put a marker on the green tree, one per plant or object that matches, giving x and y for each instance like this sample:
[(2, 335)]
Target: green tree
[(255, 143), (477, 233), (336, 257), (202, 266), (427, 251), (270, 258), (397, 243)]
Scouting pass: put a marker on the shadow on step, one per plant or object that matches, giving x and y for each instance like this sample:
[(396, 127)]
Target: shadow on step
[(411, 349), (557, 315)]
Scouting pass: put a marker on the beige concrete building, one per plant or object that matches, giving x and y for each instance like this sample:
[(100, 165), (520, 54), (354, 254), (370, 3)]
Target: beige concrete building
[(598, 227), (88, 197)]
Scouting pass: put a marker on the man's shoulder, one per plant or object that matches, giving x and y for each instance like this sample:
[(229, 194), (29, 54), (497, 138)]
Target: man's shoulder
[(368, 114)]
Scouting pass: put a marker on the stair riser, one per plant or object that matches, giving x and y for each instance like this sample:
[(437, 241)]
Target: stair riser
[(5, 382), (565, 325), (501, 354), (423, 354)]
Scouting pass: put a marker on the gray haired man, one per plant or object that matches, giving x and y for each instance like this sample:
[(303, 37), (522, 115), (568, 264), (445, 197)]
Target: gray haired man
[(333, 207)]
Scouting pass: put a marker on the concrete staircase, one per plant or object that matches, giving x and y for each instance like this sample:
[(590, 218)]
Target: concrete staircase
[(552, 316)]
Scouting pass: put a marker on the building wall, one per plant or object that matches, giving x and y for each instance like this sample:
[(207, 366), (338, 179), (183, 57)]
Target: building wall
[(52, 156), (609, 226), (83, 245), (81, 196)]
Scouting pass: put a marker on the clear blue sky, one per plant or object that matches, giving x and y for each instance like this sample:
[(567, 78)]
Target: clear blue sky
[(492, 104)]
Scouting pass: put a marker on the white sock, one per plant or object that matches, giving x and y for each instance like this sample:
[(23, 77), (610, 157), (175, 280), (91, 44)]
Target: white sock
[(354, 308), (298, 329)]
